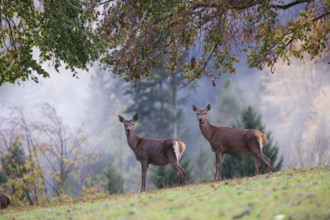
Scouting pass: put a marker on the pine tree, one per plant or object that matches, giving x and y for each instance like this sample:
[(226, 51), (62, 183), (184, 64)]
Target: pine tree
[(16, 171), (114, 179), (13, 160), (158, 104), (237, 166)]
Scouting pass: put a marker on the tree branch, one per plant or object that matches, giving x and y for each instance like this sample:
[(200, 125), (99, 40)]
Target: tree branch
[(11, 32), (287, 6), (105, 2), (321, 16)]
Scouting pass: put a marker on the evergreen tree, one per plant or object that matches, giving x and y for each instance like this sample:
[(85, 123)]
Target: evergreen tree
[(13, 161), (3, 177), (159, 105), (114, 179), (110, 180), (16, 172), (237, 166)]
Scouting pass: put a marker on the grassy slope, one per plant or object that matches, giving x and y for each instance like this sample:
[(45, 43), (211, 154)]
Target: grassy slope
[(294, 194)]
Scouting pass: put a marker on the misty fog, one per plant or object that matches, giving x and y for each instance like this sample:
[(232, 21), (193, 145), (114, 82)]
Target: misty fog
[(294, 104)]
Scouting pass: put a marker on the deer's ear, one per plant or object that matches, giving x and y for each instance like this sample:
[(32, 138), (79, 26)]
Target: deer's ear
[(121, 119), (135, 117), (194, 108), (208, 107)]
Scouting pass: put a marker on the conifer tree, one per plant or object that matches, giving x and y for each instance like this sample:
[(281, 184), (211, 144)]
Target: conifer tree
[(114, 179), (16, 172)]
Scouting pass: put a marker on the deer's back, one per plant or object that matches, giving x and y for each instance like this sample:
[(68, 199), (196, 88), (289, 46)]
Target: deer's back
[(235, 141), (156, 150)]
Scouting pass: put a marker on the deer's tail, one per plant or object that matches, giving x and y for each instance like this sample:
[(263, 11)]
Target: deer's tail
[(264, 139), (261, 139)]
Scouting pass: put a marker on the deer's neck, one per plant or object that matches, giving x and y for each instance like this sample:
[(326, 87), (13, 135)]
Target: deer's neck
[(206, 129), (132, 140)]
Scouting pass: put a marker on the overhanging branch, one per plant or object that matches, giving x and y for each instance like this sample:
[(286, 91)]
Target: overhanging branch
[(287, 6)]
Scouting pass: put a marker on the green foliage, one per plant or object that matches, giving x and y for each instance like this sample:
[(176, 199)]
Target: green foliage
[(108, 181), (3, 177), (36, 32), (244, 165), (133, 37), (41, 160), (17, 173), (165, 176), (142, 34), (13, 160), (114, 179)]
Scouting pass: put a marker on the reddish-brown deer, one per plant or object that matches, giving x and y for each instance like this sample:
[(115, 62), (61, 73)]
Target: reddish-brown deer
[(4, 200), (233, 141), (154, 151)]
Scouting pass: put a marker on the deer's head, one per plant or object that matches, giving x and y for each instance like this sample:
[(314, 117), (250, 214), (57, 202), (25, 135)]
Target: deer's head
[(201, 113), (129, 124)]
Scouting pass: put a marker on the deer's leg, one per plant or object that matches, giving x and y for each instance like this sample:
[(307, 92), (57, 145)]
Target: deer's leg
[(218, 163), (268, 162), (256, 165), (256, 150), (179, 170), (144, 166), (175, 163), (183, 176)]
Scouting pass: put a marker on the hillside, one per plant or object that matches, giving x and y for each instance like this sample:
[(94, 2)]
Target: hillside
[(289, 194)]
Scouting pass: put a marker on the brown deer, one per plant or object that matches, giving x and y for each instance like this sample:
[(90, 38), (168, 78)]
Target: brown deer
[(233, 141), (153, 151), (4, 200)]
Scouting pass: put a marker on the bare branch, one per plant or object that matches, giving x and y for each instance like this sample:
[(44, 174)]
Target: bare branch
[(292, 4)]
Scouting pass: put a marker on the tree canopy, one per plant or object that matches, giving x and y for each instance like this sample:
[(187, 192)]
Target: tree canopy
[(36, 31), (131, 37), (211, 34)]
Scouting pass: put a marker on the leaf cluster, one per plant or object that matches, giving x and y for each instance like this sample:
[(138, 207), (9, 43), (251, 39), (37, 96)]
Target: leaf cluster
[(211, 35), (35, 32)]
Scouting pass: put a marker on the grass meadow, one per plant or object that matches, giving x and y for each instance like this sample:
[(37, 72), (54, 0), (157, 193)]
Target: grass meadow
[(289, 194)]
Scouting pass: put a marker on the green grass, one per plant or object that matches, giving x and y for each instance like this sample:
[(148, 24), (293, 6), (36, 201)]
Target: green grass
[(289, 194)]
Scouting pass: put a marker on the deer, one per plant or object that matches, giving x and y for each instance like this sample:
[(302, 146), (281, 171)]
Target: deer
[(232, 141), (4, 200), (154, 151)]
